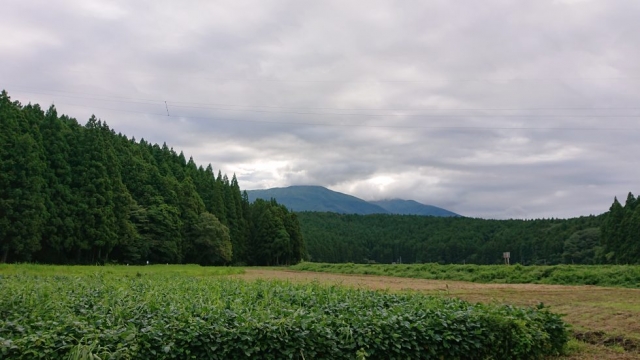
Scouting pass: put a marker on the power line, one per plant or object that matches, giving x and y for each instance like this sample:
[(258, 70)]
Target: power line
[(461, 78), (327, 124), (188, 117), (31, 90), (252, 110), (110, 98), (413, 115), (411, 109)]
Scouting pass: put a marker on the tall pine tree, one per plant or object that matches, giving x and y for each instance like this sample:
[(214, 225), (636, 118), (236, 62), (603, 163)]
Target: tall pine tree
[(22, 164)]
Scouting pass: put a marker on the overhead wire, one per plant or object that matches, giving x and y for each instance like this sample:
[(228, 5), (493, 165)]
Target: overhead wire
[(176, 104), (198, 117)]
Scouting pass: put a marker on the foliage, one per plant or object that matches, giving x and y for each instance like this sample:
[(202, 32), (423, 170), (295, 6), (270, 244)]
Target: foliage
[(275, 234), (582, 247), (613, 237), (72, 194), (337, 238), (621, 232), (140, 317), (212, 243), (601, 275)]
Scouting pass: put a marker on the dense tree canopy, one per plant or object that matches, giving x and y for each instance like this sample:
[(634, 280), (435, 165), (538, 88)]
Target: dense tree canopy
[(84, 194), (621, 232), (613, 237), (420, 239)]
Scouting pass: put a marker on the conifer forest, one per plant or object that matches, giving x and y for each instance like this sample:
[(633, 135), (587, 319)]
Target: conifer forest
[(84, 194)]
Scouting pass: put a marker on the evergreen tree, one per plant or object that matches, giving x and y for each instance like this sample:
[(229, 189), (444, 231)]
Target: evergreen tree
[(191, 207), (611, 231), (241, 231), (218, 205), (95, 195), (22, 203), (633, 239), (57, 237), (263, 233), (627, 236)]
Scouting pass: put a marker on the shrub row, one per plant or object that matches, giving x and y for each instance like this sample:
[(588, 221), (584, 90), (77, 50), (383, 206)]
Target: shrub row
[(180, 317), (601, 275)]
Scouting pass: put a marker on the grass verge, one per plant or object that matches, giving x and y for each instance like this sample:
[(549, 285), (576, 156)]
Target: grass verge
[(117, 270), (600, 275)]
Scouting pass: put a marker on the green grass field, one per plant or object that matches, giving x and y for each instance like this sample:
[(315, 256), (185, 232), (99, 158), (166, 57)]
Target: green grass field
[(601, 275), (117, 270), (189, 312)]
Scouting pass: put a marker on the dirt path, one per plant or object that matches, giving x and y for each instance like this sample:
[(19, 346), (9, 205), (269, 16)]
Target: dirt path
[(600, 315)]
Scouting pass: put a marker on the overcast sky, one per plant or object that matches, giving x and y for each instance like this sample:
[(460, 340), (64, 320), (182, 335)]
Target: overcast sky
[(493, 109)]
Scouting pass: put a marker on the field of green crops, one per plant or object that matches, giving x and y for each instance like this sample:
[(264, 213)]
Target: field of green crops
[(157, 313), (601, 275)]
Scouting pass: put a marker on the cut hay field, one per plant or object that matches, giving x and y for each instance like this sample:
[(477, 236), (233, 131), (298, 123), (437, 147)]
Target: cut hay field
[(605, 319)]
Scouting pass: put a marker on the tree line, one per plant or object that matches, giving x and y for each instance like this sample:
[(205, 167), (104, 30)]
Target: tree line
[(610, 238), (383, 238), (613, 237), (82, 194)]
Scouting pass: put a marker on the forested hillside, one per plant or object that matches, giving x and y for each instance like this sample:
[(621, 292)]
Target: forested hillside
[(610, 238), (422, 239), (85, 194), (411, 207)]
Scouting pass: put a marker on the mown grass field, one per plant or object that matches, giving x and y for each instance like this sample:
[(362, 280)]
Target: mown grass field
[(202, 313)]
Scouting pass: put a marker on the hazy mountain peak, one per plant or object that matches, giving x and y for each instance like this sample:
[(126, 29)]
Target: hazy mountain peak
[(319, 198), (411, 207)]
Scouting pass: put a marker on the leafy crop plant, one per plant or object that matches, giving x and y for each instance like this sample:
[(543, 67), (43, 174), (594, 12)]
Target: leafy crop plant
[(182, 317)]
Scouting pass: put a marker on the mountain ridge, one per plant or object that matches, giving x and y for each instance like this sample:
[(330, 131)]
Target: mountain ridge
[(412, 207), (320, 199)]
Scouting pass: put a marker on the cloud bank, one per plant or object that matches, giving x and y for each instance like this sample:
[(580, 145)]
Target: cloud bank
[(489, 109)]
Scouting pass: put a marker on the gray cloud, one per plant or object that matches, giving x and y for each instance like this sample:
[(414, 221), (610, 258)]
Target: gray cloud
[(484, 108)]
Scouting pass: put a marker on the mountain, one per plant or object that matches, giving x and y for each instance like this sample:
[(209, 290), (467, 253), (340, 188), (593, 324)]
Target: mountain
[(321, 199), (316, 198), (410, 207)]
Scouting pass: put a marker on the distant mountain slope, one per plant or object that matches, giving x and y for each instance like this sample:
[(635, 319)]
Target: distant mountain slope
[(316, 198), (410, 207)]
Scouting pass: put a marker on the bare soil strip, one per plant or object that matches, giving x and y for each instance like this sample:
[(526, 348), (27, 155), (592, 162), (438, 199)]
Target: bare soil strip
[(606, 319)]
